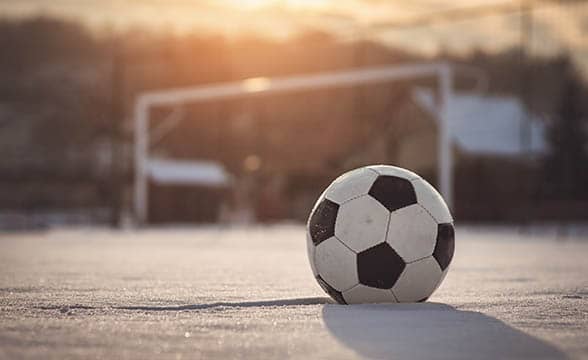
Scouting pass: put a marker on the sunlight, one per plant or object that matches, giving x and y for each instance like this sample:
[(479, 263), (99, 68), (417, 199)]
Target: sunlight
[(294, 4), (249, 3), (256, 84)]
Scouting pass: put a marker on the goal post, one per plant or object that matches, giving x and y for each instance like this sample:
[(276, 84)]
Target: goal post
[(264, 86)]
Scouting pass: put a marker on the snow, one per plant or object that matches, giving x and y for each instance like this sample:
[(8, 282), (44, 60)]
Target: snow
[(249, 293), (166, 171), (488, 124)]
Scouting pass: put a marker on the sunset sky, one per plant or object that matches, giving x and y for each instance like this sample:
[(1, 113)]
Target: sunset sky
[(555, 27)]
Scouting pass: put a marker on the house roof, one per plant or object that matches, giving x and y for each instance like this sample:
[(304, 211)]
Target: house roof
[(184, 172), (492, 125)]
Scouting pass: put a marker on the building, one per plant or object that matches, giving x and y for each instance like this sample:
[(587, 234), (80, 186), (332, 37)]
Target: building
[(187, 191), (497, 146)]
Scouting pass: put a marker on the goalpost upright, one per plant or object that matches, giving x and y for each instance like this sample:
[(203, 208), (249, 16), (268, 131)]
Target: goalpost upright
[(262, 86)]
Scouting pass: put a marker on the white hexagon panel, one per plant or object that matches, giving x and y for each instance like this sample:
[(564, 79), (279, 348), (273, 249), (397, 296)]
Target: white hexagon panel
[(310, 249), (431, 200), (418, 281), (443, 275), (350, 185), (336, 264), (394, 171), (412, 233), (362, 294), (362, 223)]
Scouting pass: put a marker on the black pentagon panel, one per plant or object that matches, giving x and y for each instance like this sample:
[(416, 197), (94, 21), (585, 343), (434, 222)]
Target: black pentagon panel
[(445, 245), (379, 266), (336, 295), (393, 192), (322, 221)]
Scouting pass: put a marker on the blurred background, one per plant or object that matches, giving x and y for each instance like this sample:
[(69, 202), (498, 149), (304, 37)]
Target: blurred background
[(72, 72)]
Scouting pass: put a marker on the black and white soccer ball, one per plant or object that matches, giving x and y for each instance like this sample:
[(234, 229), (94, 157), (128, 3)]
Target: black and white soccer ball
[(380, 234)]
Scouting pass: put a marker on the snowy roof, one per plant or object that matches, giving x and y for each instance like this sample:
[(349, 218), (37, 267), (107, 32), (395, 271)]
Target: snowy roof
[(208, 173), (489, 124)]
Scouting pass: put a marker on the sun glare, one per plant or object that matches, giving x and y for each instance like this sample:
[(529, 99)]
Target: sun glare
[(256, 84)]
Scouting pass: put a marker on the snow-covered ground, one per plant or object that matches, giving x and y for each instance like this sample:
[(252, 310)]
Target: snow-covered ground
[(249, 293)]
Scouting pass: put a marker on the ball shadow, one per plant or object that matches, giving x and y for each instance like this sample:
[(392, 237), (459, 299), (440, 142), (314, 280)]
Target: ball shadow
[(430, 331), (204, 306), (240, 304)]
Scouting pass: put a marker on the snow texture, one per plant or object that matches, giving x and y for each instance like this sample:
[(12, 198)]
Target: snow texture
[(249, 293), (207, 173)]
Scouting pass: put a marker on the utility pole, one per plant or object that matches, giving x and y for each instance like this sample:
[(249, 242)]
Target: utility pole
[(358, 107), (526, 31), (526, 40), (116, 138)]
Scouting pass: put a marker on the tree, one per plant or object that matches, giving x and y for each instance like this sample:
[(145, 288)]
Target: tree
[(567, 164)]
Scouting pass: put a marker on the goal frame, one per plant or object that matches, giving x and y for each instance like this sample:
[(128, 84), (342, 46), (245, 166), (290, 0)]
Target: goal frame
[(261, 86)]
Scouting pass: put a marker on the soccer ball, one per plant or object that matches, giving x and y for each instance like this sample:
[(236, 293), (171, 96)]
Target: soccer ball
[(380, 234)]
